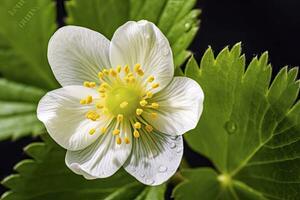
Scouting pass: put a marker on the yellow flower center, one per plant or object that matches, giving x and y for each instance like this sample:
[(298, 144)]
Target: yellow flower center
[(124, 98)]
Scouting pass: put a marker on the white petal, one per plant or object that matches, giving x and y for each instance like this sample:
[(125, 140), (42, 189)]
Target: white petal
[(77, 54), (64, 117), (181, 104), (155, 157), (103, 158), (142, 42)]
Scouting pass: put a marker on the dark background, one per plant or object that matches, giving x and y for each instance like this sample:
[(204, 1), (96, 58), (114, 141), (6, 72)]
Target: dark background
[(260, 25)]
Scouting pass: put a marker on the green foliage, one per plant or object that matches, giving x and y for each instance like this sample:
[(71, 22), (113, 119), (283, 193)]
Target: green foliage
[(250, 127), (249, 130), (47, 177), (176, 18), (18, 110), (26, 27), (205, 183)]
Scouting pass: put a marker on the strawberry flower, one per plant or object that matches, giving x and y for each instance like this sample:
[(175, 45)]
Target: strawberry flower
[(119, 104)]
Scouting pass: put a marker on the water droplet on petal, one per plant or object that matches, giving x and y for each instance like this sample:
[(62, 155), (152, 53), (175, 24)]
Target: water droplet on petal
[(179, 150), (230, 127), (149, 181), (162, 168), (172, 145), (165, 51), (142, 175)]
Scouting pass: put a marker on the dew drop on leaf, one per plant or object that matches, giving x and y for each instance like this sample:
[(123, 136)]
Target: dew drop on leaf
[(187, 26), (230, 127)]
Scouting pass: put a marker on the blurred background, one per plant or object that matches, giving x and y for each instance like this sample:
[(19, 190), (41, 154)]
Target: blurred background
[(261, 25)]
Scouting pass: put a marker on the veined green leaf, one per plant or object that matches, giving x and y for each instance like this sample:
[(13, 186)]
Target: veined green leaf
[(249, 129), (18, 110), (25, 28), (176, 18), (46, 177), (207, 184)]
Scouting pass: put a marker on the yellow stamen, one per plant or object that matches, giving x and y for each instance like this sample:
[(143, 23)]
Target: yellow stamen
[(140, 72), (92, 84), (92, 115), (104, 85), (86, 84), (155, 85), (137, 67), (92, 131), (89, 99), (102, 95), (105, 71), (137, 125), (119, 68), (143, 102), (154, 105), (100, 75), (120, 117), (123, 104), (150, 79), (127, 141), (154, 115), (116, 132), (149, 94), (136, 134), (99, 106), (126, 69), (139, 111), (103, 130), (101, 89), (130, 74), (82, 101), (149, 128), (118, 140), (113, 72)]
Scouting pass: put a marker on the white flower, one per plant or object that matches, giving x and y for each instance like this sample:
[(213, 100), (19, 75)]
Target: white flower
[(129, 112)]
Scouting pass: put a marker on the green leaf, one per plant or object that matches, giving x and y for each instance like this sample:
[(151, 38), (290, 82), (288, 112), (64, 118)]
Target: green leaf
[(176, 18), (249, 129), (210, 186), (46, 177), (18, 110), (26, 27)]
